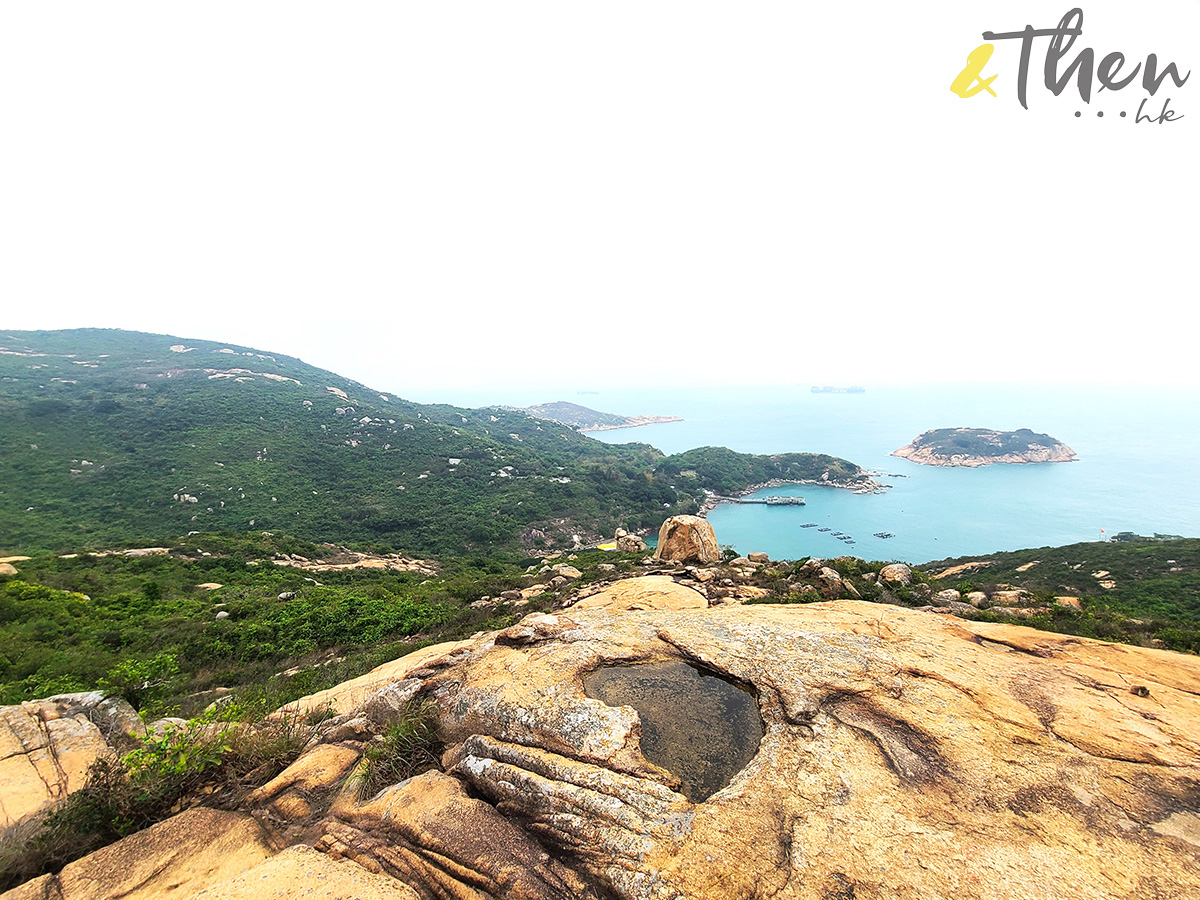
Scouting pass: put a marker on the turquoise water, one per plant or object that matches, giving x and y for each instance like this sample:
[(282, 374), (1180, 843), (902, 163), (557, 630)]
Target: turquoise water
[(1137, 466)]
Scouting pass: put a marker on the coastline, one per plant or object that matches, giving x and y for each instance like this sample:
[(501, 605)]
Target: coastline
[(865, 485), (926, 457), (633, 422)]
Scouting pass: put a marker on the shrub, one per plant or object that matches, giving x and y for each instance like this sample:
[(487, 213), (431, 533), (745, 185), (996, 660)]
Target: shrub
[(217, 763), (409, 747)]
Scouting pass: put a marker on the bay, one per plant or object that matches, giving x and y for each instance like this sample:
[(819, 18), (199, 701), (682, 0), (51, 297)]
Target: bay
[(1136, 471)]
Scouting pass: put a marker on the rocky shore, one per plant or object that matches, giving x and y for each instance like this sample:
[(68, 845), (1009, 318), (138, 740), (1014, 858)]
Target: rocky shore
[(867, 485), (633, 422)]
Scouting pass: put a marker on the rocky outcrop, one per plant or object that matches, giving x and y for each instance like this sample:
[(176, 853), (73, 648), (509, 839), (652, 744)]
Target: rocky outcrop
[(647, 592), (173, 859), (896, 573), (629, 543), (973, 447), (47, 746), (904, 754), (687, 539)]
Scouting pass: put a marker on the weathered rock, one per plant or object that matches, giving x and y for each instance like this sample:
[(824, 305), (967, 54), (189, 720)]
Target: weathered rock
[(687, 539), (351, 694), (977, 598), (647, 592), (829, 582), (429, 833), (1069, 602), (301, 871), (8, 569), (565, 571), (946, 597), (760, 558), (906, 756), (896, 573), (388, 703), (1009, 597), (173, 859), (1061, 786), (47, 747), (307, 784), (629, 543)]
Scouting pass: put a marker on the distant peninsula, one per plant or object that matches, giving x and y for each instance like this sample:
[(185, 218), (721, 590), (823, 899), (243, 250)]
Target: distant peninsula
[(584, 419), (973, 447)]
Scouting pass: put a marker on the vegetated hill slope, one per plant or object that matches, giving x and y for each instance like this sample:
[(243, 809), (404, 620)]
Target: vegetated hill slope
[(576, 416), (112, 436), (1154, 581)]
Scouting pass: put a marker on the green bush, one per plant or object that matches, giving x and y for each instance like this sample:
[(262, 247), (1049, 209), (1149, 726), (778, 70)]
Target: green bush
[(205, 761), (409, 747)]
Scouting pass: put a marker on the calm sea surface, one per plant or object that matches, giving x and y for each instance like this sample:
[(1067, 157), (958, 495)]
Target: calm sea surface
[(1137, 467)]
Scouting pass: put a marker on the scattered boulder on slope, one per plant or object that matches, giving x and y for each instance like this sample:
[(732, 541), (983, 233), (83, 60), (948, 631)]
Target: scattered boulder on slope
[(47, 746), (896, 573), (629, 543)]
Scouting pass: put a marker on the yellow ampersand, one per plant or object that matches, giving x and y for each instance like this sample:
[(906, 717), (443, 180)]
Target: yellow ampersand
[(964, 84)]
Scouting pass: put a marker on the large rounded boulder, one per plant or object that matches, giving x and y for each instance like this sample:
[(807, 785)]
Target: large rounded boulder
[(687, 539)]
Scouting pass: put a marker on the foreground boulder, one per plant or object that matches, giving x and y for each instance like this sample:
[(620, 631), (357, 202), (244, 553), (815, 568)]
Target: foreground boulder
[(687, 539), (903, 754), (47, 746)]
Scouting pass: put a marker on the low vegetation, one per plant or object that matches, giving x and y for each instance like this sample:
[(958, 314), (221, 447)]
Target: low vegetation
[(410, 746), (155, 629), (1140, 591), (214, 761)]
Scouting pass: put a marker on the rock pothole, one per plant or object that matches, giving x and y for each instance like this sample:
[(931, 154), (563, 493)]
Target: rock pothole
[(699, 726)]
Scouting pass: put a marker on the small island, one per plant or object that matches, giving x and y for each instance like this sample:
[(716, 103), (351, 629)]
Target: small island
[(973, 447)]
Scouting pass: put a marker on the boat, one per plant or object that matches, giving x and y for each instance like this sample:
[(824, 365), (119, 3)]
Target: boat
[(832, 389), (822, 529)]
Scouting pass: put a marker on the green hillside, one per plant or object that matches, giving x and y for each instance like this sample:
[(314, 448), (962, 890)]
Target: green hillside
[(575, 415), (111, 437), (1124, 587)]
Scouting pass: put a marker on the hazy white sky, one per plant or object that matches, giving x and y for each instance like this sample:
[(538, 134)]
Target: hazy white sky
[(426, 194)]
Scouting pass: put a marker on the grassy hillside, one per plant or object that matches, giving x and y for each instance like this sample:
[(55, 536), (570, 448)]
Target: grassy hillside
[(725, 471), (110, 436), (1149, 586), (218, 610), (575, 415)]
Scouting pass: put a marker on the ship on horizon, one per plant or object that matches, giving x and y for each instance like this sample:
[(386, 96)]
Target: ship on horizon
[(831, 389)]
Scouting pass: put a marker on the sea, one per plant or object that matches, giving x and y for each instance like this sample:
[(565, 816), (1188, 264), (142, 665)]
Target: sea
[(1138, 453)]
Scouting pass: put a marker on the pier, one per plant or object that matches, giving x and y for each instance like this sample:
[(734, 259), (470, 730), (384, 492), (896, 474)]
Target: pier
[(766, 501)]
